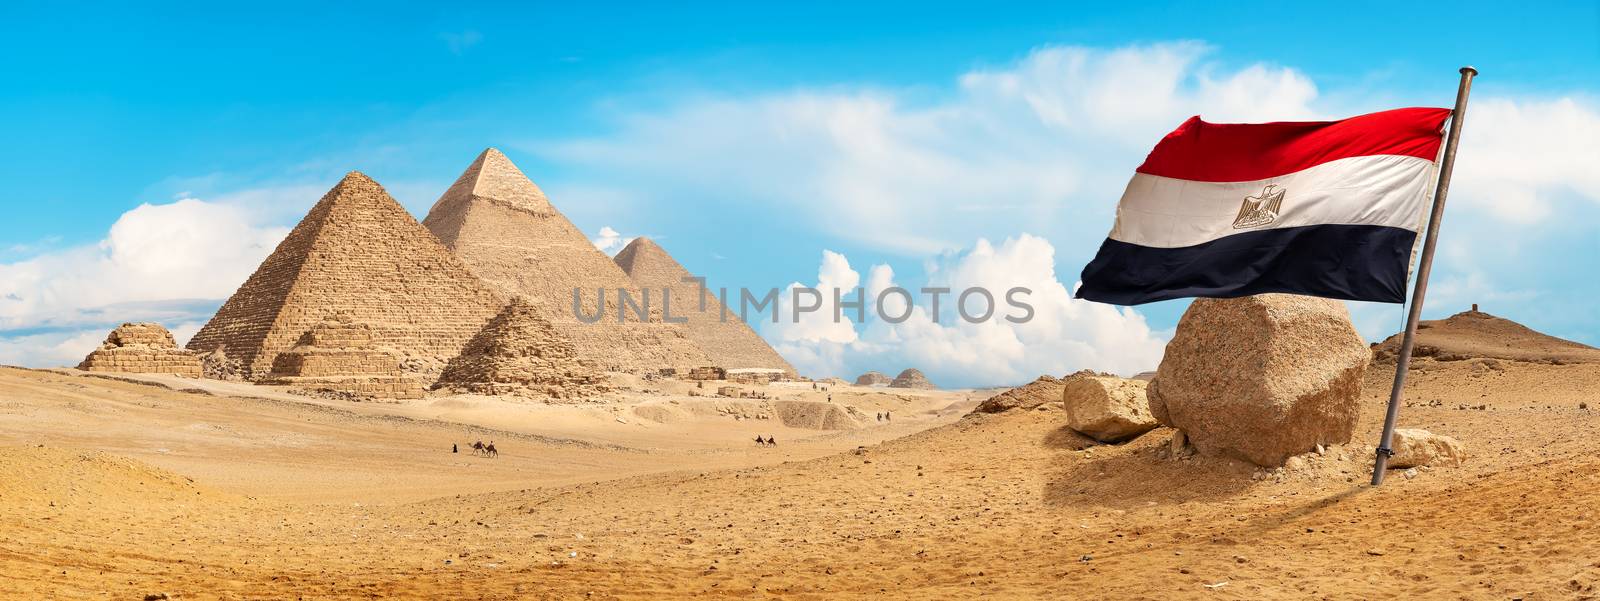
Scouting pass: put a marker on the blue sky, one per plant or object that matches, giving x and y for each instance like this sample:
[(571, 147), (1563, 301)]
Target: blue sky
[(732, 132)]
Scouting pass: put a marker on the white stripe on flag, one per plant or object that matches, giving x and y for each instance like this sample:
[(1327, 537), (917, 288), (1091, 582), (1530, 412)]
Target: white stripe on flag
[(1382, 190)]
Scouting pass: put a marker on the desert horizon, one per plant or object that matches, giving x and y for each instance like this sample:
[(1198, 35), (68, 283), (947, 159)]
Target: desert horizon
[(890, 301)]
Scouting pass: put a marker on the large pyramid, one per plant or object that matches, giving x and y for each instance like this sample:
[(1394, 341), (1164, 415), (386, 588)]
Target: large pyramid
[(730, 343), (509, 234), (357, 255)]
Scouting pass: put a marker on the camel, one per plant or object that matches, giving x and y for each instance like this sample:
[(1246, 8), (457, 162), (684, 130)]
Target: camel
[(477, 447), (760, 442), (489, 450)]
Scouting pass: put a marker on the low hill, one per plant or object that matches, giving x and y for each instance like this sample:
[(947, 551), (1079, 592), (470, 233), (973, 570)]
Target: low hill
[(1475, 334)]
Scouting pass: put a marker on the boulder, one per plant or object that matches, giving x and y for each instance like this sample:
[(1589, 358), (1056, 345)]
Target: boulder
[(1415, 448), (1107, 408), (1261, 378)]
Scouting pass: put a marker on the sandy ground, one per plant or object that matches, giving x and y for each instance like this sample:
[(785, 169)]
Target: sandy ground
[(139, 490)]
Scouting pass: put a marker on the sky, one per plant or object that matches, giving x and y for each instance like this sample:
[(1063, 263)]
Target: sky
[(155, 153)]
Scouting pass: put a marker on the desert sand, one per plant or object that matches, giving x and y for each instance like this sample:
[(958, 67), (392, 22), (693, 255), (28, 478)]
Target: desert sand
[(112, 489)]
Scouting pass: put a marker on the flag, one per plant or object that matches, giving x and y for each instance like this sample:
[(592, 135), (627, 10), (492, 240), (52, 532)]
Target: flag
[(1326, 208)]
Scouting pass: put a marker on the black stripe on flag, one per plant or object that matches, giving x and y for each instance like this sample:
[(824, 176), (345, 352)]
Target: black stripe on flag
[(1351, 262)]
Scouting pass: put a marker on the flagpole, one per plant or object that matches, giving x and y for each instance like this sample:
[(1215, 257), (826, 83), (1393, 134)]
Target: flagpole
[(1403, 362)]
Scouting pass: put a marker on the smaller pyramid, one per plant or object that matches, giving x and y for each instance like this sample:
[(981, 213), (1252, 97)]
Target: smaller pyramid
[(721, 334), (520, 353), (339, 354), (141, 348), (873, 378), (911, 378)]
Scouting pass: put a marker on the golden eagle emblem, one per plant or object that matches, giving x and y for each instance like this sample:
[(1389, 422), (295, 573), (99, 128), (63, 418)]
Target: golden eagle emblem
[(1261, 209)]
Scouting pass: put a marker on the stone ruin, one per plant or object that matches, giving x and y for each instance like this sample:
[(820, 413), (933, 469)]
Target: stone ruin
[(911, 378), (142, 348), (519, 352), (873, 378), (706, 373), (341, 355), (756, 375)]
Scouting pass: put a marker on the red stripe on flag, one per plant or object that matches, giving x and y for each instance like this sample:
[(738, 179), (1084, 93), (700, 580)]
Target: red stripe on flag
[(1239, 152)]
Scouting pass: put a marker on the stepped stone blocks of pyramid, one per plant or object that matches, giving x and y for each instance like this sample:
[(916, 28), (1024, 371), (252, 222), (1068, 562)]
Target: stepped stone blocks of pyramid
[(520, 353), (142, 348), (339, 354), (505, 229), (730, 343), (359, 254)]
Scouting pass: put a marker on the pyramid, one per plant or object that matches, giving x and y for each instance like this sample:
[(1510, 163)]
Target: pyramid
[(141, 348), (519, 352), (502, 226), (339, 354), (358, 254), (729, 342), (911, 378)]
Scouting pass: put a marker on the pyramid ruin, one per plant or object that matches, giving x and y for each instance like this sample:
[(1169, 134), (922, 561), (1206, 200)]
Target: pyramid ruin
[(141, 348), (339, 354), (873, 378), (725, 338), (507, 232), (520, 353), (357, 253), (911, 378)]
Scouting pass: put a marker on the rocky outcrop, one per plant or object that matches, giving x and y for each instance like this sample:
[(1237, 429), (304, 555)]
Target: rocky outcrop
[(911, 378), (1415, 448), (1261, 378), (1046, 389), (1107, 409), (873, 378), (141, 348)]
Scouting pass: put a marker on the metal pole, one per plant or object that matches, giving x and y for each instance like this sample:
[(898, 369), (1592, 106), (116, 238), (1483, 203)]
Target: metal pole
[(1403, 362)]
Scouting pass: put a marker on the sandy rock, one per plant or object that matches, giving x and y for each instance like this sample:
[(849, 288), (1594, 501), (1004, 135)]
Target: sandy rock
[(1413, 448), (873, 378), (1261, 378), (911, 378), (1108, 409), (1046, 389)]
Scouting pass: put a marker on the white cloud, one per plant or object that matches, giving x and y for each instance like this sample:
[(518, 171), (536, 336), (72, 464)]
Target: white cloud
[(1028, 143), (1063, 334), (1518, 158), (610, 241), (164, 262)]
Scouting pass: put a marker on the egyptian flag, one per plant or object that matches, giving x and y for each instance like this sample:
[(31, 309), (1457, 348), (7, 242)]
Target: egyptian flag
[(1326, 208)]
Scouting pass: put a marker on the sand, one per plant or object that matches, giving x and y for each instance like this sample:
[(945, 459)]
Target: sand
[(139, 490)]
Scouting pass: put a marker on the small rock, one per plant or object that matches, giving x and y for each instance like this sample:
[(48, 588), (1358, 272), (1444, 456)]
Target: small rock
[(1086, 558), (1411, 473), (1414, 448), (155, 597)]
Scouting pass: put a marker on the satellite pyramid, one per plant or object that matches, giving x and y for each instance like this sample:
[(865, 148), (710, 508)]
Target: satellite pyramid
[(519, 352), (726, 338), (508, 233), (356, 255)]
